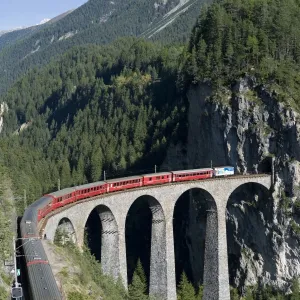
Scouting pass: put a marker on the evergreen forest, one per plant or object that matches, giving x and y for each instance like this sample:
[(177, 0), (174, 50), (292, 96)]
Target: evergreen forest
[(95, 22)]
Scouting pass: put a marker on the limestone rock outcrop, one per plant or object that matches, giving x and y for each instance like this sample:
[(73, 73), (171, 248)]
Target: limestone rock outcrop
[(245, 127)]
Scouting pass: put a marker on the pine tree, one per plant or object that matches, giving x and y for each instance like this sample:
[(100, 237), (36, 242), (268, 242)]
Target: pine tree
[(140, 272), (199, 295), (248, 295), (120, 288), (186, 290), (295, 290), (65, 173), (234, 295), (137, 289)]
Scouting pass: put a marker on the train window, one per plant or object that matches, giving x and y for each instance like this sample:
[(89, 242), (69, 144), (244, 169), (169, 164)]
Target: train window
[(150, 179)]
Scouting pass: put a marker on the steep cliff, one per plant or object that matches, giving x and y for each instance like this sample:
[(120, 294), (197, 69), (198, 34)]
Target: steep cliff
[(244, 126)]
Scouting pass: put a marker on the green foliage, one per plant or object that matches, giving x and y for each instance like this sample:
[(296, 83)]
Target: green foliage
[(6, 215), (90, 273), (258, 292), (97, 108), (138, 287), (22, 50), (256, 37), (76, 296), (185, 289), (295, 290), (295, 227), (285, 204), (4, 295), (234, 294), (199, 295), (140, 272)]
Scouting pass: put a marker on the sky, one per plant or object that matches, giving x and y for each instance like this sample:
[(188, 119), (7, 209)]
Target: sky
[(17, 13)]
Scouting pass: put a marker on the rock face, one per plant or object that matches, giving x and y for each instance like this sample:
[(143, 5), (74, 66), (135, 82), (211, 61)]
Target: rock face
[(244, 127), (3, 109)]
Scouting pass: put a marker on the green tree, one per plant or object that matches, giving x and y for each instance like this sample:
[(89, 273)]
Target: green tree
[(185, 290), (295, 290), (137, 289), (140, 272), (199, 295)]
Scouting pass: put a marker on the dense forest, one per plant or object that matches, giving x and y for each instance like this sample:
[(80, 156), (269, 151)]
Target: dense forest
[(260, 38), (96, 22), (107, 108)]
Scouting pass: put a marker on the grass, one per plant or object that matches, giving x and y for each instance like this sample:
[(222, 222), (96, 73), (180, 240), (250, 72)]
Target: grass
[(81, 276)]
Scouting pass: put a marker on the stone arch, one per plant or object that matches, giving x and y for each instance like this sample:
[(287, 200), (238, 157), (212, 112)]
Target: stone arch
[(202, 239), (65, 232), (108, 240), (157, 272), (249, 224)]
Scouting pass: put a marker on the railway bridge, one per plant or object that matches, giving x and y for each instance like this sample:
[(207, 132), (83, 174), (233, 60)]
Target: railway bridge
[(113, 208)]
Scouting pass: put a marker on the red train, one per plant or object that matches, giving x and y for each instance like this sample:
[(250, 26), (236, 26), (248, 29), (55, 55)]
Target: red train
[(69, 195)]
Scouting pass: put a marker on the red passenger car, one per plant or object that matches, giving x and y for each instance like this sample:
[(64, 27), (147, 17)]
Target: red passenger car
[(119, 184), (157, 178), (62, 197), (195, 174), (90, 190)]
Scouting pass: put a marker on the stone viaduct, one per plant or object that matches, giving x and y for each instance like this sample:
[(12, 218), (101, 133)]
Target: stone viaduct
[(113, 209)]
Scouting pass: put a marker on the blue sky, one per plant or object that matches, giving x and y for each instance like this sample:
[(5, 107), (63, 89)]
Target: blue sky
[(16, 13)]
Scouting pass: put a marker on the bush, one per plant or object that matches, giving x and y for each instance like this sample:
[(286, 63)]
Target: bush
[(3, 293), (76, 296)]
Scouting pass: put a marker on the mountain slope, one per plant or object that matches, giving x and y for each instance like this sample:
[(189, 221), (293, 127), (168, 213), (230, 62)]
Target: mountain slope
[(97, 22), (11, 36)]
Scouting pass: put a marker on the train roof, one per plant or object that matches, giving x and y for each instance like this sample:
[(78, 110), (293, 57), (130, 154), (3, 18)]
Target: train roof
[(192, 171), (157, 174), (62, 192), (89, 185), (124, 179)]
